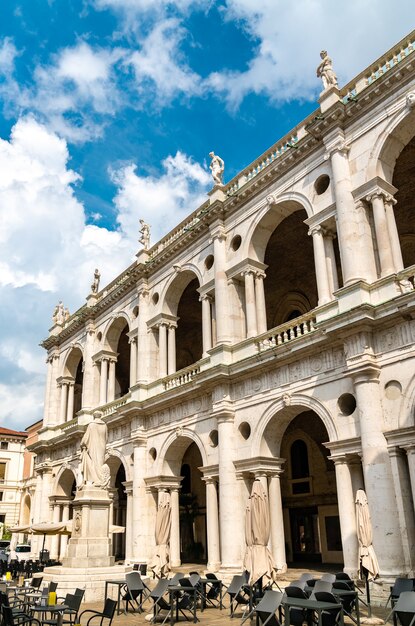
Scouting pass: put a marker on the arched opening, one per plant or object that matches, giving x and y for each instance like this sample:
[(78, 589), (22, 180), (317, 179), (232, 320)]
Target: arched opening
[(182, 303), (183, 460), (117, 341), (62, 500), (118, 511), (74, 369), (290, 284), (192, 502), (189, 330), (308, 486), (404, 180)]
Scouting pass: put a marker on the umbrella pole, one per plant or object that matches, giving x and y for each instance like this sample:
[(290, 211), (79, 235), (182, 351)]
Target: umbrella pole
[(43, 547), (366, 575)]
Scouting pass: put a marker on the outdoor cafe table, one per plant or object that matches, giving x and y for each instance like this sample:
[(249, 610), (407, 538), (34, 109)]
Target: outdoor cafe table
[(174, 599), (344, 593), (47, 608), (119, 584), (212, 582), (313, 605)]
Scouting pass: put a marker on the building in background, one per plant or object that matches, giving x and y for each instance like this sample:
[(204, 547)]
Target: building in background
[(12, 451), (270, 335)]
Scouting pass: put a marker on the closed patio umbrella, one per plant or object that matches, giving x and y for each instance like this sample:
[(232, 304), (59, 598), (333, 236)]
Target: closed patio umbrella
[(367, 557), (247, 565), (262, 562), (160, 563)]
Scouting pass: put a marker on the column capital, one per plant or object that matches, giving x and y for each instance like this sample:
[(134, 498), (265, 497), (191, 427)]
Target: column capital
[(223, 414), (260, 275), (315, 230), (338, 146), (206, 296), (217, 231), (65, 380), (367, 372)]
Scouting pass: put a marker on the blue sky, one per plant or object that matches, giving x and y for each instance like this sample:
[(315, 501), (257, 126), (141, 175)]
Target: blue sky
[(108, 110)]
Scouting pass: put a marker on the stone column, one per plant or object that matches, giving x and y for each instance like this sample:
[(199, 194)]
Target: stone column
[(250, 304), (129, 522), (323, 286), (206, 324), (64, 402), (56, 518), (171, 350), (410, 452), (141, 539), (277, 522), (221, 286), (405, 507), (53, 401), (162, 350), (49, 362), (103, 383), (64, 538), (351, 244), (71, 395), (111, 380), (89, 397), (377, 472), (261, 309), (382, 234), (347, 514), (231, 525), (212, 517), (142, 336), (389, 202), (133, 361), (175, 528), (331, 261)]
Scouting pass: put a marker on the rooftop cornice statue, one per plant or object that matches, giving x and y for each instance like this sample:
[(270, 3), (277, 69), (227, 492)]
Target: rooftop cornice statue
[(95, 282), (59, 314), (325, 71), (217, 167), (145, 235)]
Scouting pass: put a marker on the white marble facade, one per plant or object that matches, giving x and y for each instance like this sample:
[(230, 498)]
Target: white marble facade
[(271, 335)]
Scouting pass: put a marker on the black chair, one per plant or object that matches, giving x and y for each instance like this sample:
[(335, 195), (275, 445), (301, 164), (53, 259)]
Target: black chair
[(105, 616), (267, 608), (36, 582), (297, 616), (17, 620), (174, 580), (239, 593), (404, 609), (323, 585), (330, 578), (329, 617), (400, 585), (52, 586), (301, 584), (16, 605), (136, 591), (189, 596), (157, 595), (348, 597), (345, 578), (213, 594)]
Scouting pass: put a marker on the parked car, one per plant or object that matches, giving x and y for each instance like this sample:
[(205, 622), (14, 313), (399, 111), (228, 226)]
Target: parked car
[(23, 552), (4, 544)]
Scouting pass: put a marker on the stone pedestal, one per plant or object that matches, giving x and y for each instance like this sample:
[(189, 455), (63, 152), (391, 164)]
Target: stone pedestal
[(90, 544)]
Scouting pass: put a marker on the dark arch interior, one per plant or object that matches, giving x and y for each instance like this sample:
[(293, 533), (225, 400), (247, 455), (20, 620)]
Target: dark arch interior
[(189, 327), (404, 180), (122, 367), (119, 513), (192, 508), (290, 259)]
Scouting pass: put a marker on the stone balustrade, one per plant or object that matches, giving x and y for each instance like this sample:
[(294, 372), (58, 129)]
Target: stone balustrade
[(285, 333), (181, 377), (113, 406), (407, 275)]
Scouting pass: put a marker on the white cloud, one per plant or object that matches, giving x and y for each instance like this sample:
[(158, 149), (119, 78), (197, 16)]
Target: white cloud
[(48, 252), (288, 37), (8, 53), (161, 201), (160, 62)]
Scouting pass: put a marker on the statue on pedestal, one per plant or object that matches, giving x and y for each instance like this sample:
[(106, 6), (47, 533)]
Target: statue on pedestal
[(217, 167), (145, 235), (325, 71), (93, 470), (95, 282)]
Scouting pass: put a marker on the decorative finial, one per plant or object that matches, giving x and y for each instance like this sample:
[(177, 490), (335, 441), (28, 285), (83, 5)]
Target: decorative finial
[(217, 167), (325, 71), (145, 235)]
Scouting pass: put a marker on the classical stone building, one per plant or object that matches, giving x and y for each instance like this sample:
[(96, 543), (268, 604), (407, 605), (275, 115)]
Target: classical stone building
[(12, 448), (271, 335)]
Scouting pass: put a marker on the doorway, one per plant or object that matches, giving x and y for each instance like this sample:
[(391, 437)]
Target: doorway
[(305, 535)]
